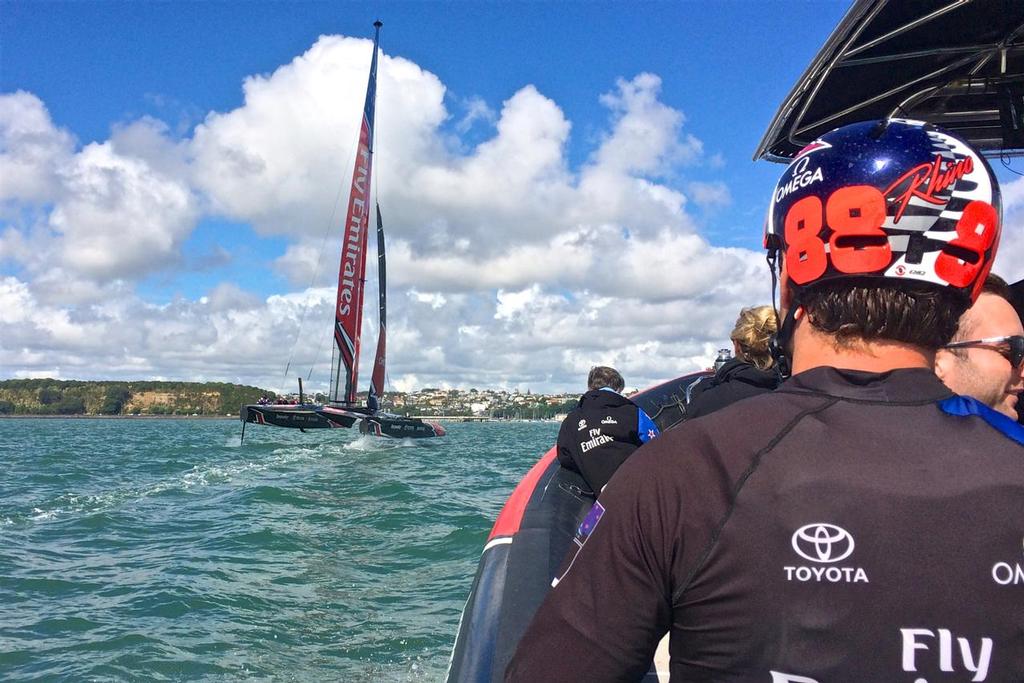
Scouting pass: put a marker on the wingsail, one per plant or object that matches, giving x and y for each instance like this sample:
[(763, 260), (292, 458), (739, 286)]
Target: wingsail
[(348, 309)]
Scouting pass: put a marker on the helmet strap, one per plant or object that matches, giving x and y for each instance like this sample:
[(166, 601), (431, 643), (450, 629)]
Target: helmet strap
[(784, 332), (779, 342)]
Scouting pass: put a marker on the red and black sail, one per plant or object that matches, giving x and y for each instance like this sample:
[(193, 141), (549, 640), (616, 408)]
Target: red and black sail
[(348, 309)]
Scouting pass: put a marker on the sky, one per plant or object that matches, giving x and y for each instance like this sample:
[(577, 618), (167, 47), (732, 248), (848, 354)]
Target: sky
[(563, 185)]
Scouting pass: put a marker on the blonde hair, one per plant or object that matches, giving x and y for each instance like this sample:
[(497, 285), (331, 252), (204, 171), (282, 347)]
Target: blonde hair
[(754, 329)]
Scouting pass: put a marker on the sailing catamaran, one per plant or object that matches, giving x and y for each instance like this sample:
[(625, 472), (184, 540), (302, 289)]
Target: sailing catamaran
[(342, 408)]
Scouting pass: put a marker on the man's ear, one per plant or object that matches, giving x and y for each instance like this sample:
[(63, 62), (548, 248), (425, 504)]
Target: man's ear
[(943, 367)]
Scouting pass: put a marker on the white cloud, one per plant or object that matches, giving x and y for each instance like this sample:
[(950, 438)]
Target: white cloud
[(1010, 257), (116, 210), (120, 217), (507, 267), (32, 149), (646, 137), (709, 193), (476, 110), (284, 159)]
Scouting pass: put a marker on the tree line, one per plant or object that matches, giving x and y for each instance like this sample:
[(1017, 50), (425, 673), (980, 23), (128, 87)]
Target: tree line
[(75, 397)]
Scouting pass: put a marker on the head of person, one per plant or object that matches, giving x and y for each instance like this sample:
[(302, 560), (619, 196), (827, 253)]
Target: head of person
[(886, 230), (984, 359), (602, 377), (752, 335)]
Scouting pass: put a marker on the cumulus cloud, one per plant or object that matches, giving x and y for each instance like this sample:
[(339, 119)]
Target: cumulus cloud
[(115, 210), (1010, 257), (111, 196), (507, 265), (32, 150), (283, 160)]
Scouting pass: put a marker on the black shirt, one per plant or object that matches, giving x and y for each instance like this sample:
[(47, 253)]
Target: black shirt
[(847, 527), (734, 381)]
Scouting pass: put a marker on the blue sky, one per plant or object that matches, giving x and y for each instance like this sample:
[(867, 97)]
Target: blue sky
[(189, 272)]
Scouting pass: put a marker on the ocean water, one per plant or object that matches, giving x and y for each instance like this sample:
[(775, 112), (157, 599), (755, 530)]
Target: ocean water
[(166, 550)]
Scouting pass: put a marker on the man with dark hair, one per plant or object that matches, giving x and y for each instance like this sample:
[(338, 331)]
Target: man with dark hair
[(861, 522), (603, 430), (985, 359)]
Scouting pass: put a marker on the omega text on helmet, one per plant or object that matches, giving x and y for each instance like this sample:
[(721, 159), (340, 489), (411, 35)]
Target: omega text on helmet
[(799, 179)]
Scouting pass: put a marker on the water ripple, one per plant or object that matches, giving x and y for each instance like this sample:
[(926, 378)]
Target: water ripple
[(164, 550)]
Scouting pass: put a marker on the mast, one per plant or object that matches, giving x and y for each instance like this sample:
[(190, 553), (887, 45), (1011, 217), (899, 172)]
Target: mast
[(348, 308), (377, 378)]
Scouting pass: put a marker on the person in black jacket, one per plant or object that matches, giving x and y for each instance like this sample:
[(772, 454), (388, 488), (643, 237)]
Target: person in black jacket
[(603, 429), (750, 372)]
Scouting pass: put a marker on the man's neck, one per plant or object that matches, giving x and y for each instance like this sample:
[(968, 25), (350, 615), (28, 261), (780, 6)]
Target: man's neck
[(812, 349)]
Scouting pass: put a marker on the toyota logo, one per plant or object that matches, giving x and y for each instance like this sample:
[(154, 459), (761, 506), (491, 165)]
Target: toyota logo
[(826, 543)]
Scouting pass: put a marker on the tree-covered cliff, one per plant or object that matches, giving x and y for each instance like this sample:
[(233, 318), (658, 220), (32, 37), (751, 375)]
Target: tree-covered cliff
[(72, 397)]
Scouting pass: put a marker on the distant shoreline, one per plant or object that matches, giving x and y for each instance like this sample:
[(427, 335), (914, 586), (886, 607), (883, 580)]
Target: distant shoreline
[(438, 418), (119, 417)]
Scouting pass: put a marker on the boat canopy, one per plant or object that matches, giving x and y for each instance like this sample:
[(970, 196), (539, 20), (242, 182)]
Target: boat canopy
[(956, 63)]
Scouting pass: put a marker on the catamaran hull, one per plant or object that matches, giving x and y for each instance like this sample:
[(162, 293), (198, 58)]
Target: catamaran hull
[(400, 427), (297, 416)]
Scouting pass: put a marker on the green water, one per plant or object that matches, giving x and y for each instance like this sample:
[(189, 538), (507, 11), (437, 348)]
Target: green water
[(165, 550)]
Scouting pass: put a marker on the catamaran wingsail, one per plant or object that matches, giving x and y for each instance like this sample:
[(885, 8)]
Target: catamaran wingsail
[(342, 408)]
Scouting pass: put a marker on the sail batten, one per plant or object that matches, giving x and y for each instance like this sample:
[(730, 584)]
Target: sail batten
[(348, 308)]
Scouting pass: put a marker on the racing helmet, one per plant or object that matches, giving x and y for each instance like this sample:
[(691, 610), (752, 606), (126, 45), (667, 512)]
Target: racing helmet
[(895, 199)]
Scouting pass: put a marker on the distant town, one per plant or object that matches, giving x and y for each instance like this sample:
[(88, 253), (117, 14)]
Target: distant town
[(498, 404), (221, 399)]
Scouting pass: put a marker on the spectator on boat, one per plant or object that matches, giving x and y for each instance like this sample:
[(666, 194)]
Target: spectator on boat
[(986, 356), (603, 430), (856, 521), (749, 372)]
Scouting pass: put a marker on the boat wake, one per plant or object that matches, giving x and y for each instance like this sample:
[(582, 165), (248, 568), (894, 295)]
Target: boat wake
[(374, 444), (67, 505)]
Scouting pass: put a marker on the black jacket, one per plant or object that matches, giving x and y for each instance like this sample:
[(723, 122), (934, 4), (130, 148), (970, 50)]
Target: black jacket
[(858, 527), (600, 433), (734, 381)]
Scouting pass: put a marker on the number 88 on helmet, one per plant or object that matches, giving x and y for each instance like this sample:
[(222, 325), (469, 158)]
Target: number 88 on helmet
[(894, 199)]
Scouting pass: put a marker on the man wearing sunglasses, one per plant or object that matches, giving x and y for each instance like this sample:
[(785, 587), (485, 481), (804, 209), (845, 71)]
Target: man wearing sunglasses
[(985, 359)]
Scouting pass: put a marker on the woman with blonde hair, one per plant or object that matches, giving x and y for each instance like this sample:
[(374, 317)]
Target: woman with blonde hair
[(752, 371), (752, 335)]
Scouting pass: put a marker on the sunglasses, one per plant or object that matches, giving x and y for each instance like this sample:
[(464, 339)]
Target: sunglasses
[(1011, 347)]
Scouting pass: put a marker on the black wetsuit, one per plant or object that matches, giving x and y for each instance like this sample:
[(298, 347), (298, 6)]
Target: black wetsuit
[(848, 527), (734, 381), (600, 433)]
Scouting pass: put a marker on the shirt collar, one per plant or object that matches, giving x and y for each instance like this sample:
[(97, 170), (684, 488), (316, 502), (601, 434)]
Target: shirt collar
[(902, 385)]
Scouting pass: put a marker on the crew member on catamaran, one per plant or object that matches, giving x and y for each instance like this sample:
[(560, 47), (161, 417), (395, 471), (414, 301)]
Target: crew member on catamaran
[(861, 522), (603, 430)]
